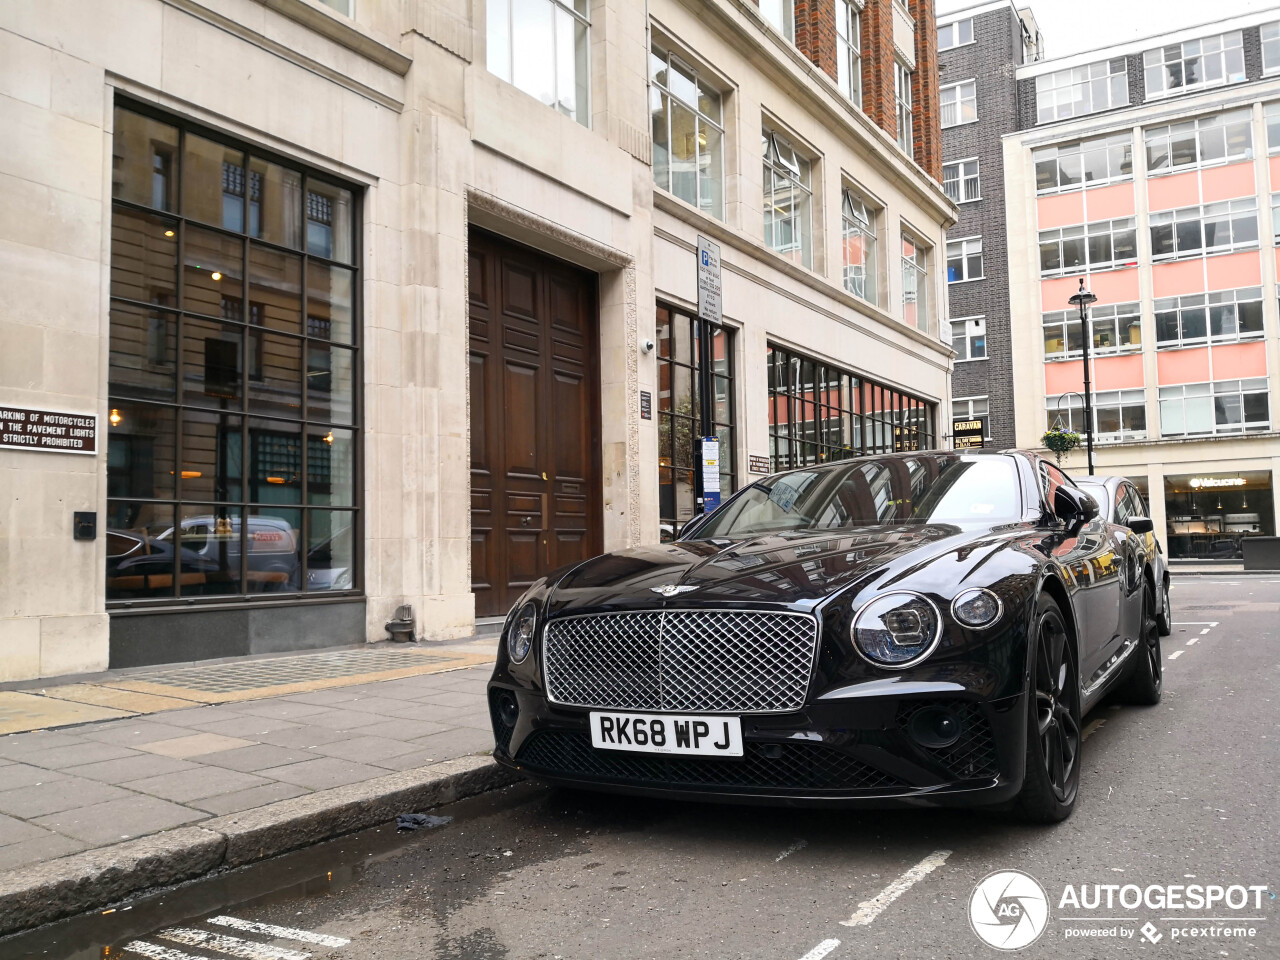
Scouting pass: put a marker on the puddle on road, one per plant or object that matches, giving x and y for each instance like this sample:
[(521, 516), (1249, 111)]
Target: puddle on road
[(314, 872)]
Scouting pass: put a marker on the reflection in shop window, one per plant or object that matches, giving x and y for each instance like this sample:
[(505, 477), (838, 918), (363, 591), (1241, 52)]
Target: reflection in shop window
[(1210, 516), (221, 376), (695, 364)]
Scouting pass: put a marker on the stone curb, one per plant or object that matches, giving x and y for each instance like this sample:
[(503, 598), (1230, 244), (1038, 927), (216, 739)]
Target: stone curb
[(45, 892)]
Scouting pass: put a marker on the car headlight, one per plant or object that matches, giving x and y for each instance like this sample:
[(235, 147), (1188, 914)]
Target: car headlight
[(976, 607), (897, 630), (520, 635)]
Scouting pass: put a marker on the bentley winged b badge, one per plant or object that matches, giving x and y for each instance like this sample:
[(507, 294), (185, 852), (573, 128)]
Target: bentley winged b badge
[(672, 589)]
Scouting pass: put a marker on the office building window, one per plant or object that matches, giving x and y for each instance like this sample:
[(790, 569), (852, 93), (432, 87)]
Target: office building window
[(1117, 328), (1275, 216), (233, 370), (1196, 231), (1104, 245), (819, 413), (969, 338), (1227, 406), (1223, 138), (788, 200), (955, 34), (1271, 117), (1078, 91), (960, 180), (849, 50), (973, 408), (959, 103), (781, 14), (902, 101), (688, 133), (1227, 316), (1089, 163), (1118, 415), (342, 6), (543, 47), (964, 259), (915, 282), (858, 236), (1194, 64), (695, 400), (1270, 47)]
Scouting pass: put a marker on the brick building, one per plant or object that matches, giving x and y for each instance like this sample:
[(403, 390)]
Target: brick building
[(980, 47)]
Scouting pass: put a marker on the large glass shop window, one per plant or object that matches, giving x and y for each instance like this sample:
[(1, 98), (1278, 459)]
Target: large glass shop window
[(1208, 516), (232, 454), (695, 400)]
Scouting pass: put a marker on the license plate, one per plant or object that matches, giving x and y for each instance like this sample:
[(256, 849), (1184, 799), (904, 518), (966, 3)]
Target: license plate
[(667, 733)]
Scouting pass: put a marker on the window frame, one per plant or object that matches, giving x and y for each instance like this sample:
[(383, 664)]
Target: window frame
[(1209, 392), (1087, 232), (961, 180), (970, 414), (1200, 128), (1058, 155), (966, 252), (1049, 86), (973, 329), (959, 102), (1068, 321), (800, 178), (1183, 216), (1207, 301), (849, 49), (1269, 36), (1072, 414), (954, 27), (850, 200), (254, 423), (917, 262), (583, 112), (786, 11), (666, 95), (904, 107), (1150, 63)]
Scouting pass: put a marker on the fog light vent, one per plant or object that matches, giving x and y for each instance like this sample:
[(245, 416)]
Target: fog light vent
[(936, 728)]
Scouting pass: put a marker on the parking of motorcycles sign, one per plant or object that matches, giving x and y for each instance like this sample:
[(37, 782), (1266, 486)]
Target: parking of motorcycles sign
[(710, 301), (48, 431)]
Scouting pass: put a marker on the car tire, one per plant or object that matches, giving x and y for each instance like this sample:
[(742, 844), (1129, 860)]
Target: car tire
[(1165, 618), (1051, 781), (1146, 679)]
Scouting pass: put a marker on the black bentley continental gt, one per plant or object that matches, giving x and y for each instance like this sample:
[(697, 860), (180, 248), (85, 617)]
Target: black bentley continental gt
[(917, 628)]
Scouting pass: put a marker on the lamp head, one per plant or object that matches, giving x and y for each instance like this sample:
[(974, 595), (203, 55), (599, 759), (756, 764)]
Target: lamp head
[(1083, 297)]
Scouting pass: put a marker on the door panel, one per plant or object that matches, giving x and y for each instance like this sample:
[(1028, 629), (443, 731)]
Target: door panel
[(535, 431)]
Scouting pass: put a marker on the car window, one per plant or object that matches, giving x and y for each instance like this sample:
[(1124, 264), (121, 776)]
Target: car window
[(1124, 508), (1136, 505)]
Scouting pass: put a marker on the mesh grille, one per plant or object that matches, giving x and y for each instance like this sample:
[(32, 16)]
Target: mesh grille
[(971, 757), (716, 661), (501, 732), (799, 766)]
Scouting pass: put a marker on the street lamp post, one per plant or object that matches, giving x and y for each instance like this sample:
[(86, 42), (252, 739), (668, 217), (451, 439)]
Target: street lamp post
[(1082, 299)]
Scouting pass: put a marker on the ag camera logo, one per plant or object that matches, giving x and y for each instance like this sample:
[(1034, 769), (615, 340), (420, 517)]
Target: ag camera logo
[(1009, 910)]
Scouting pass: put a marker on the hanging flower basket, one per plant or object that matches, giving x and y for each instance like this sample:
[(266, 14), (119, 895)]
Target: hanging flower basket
[(1060, 442)]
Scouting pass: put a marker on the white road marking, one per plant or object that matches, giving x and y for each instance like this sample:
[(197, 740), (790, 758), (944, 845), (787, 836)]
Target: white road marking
[(1092, 728), (821, 950), (868, 910), (1175, 655), (1205, 630), (282, 933), (1195, 623), (798, 845), (1193, 641), (157, 952), (231, 946)]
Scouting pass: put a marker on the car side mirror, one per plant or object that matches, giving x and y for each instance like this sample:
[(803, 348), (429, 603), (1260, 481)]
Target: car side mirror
[(1075, 508), (1140, 524)]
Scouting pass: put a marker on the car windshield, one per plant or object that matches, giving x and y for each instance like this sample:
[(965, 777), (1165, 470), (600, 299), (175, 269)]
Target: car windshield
[(962, 490)]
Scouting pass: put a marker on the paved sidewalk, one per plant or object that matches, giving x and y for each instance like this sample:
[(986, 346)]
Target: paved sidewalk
[(84, 787)]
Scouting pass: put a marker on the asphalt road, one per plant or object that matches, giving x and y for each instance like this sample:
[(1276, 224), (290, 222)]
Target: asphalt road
[(1180, 794)]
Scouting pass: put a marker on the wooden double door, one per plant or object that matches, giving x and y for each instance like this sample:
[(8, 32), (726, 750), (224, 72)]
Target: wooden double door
[(535, 419)]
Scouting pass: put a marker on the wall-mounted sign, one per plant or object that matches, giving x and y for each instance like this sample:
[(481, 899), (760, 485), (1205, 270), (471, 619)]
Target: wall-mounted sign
[(757, 463), (967, 434), (710, 473), (1217, 481), (710, 300), (48, 431), (646, 405)]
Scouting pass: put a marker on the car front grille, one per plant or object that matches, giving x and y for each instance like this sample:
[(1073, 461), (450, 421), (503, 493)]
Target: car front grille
[(709, 661), (798, 765)]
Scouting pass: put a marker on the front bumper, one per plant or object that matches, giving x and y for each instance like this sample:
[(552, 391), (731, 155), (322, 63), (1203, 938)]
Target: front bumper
[(855, 751)]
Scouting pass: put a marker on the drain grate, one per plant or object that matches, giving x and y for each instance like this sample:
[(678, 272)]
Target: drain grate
[(281, 671)]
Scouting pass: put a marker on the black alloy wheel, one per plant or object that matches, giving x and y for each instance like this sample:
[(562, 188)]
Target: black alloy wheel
[(1165, 619), (1146, 681), (1052, 778)]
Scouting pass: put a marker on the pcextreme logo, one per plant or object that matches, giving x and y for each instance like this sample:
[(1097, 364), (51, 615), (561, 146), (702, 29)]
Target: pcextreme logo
[(1009, 910)]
